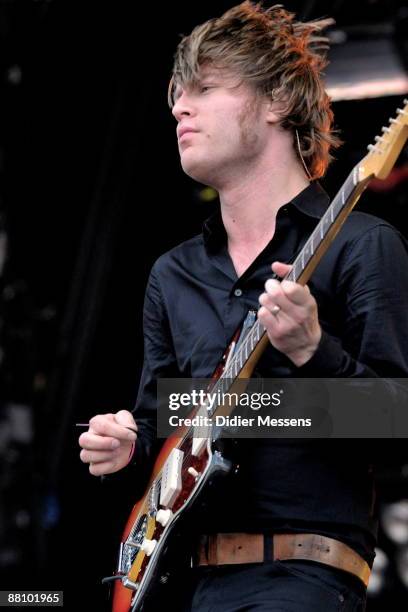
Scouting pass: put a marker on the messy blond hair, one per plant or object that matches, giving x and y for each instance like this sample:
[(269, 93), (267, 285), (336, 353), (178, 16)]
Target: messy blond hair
[(281, 57)]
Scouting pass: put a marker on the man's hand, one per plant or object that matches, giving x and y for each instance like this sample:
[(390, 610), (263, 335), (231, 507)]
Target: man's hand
[(107, 444), (294, 329)]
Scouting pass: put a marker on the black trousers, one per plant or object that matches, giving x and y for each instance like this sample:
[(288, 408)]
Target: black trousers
[(272, 586)]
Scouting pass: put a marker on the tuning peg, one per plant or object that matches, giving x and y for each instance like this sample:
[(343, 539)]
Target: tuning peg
[(400, 111), (405, 101), (385, 129), (373, 149)]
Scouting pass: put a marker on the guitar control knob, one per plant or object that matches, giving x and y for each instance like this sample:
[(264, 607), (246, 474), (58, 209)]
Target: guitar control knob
[(163, 516), (148, 546), (193, 472)]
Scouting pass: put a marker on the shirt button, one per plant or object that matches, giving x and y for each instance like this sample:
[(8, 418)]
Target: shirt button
[(238, 292)]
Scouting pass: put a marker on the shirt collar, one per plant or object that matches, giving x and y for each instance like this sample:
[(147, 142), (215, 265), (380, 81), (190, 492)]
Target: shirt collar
[(311, 202)]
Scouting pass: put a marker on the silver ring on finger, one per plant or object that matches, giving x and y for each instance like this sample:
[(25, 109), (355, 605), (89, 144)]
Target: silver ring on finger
[(275, 310)]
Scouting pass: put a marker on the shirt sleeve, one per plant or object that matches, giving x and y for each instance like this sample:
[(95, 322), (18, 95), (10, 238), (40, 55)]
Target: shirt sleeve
[(159, 362), (373, 288)]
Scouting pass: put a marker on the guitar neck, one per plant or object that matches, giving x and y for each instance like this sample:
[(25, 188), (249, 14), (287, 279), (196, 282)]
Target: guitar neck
[(327, 228)]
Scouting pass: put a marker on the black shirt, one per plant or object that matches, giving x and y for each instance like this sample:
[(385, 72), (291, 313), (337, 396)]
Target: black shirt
[(194, 303)]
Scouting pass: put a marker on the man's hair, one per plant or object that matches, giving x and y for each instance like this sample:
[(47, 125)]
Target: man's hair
[(282, 58)]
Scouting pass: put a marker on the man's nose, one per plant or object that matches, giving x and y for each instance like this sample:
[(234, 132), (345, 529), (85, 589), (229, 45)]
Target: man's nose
[(182, 107)]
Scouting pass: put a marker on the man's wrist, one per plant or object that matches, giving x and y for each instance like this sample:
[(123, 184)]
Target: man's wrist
[(303, 355)]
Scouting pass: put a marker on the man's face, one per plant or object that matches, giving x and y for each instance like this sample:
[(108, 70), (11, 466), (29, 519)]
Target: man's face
[(221, 127)]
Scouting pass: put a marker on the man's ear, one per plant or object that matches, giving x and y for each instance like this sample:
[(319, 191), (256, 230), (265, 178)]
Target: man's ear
[(274, 112)]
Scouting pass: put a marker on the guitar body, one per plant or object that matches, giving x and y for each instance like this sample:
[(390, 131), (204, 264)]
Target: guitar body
[(142, 565), (183, 468)]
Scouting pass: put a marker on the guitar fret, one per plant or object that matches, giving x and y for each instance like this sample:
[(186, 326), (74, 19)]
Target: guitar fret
[(350, 183), (257, 332), (291, 275), (296, 270)]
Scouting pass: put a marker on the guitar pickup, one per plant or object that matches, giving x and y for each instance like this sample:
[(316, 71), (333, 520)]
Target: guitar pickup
[(171, 482)]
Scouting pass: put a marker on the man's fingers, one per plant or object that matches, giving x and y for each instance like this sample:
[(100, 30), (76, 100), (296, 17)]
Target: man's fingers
[(280, 268), (294, 291), (267, 319), (268, 304), (96, 456), (91, 441), (276, 296), (108, 443), (125, 418), (102, 426), (297, 294), (100, 469)]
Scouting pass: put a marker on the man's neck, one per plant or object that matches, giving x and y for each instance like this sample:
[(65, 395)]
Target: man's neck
[(249, 206)]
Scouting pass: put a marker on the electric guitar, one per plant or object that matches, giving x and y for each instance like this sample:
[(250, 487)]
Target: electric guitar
[(188, 460)]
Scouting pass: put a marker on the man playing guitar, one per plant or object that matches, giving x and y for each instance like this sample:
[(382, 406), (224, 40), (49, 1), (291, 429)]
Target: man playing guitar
[(254, 122)]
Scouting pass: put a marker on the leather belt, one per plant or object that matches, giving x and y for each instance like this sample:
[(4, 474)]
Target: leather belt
[(234, 548)]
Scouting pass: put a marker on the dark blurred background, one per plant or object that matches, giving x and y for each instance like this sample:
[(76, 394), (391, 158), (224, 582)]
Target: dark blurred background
[(91, 193)]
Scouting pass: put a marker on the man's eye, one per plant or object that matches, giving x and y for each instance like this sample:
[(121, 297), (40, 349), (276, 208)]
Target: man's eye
[(205, 88)]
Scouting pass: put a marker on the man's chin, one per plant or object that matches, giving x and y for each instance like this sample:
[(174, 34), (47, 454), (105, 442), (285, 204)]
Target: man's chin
[(195, 171)]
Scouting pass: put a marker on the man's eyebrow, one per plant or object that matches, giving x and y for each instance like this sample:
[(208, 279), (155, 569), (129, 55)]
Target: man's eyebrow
[(209, 74)]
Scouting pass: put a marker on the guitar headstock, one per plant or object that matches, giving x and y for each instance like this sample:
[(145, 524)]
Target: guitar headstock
[(383, 154)]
